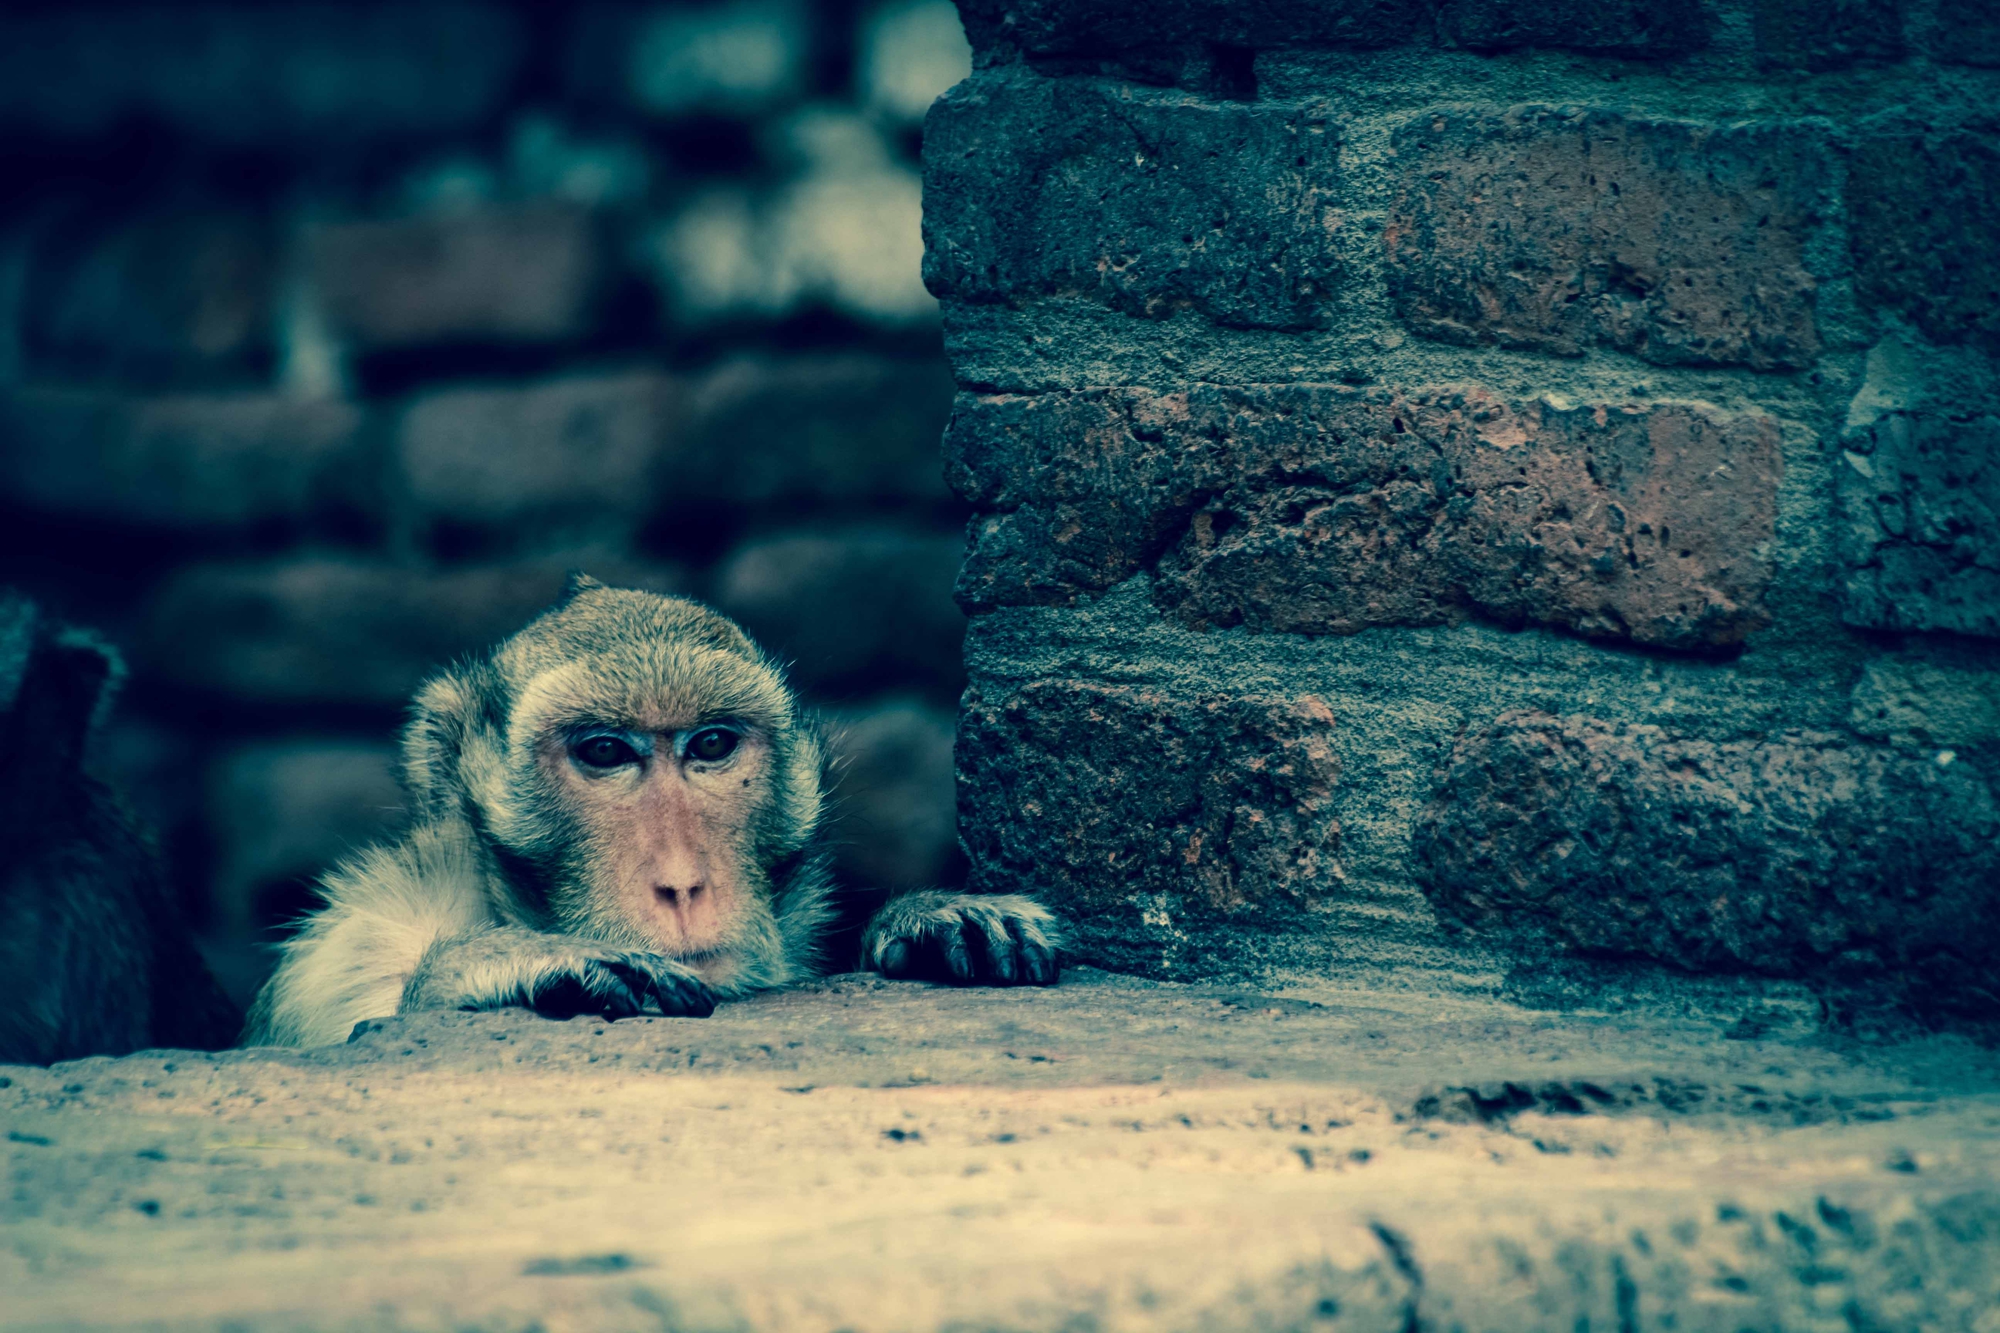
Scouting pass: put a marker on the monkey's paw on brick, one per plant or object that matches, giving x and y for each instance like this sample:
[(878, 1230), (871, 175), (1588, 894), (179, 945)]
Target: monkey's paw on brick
[(1000, 939)]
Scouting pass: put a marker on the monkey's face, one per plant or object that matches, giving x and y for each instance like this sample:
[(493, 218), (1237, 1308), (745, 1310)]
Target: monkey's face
[(666, 820)]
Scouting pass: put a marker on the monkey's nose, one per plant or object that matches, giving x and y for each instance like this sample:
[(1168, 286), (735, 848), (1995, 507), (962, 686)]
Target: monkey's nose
[(678, 898)]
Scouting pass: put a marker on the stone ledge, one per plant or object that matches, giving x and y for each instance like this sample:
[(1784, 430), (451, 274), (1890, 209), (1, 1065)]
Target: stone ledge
[(1105, 1153)]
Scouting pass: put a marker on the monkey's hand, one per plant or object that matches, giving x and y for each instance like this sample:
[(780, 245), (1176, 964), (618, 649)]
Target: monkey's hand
[(558, 976), (971, 939)]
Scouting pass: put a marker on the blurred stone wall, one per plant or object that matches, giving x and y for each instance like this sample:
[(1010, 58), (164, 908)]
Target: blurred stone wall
[(1468, 486), (333, 334)]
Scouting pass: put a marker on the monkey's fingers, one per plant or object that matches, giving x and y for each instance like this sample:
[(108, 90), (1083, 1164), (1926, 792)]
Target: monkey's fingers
[(678, 992), (594, 991)]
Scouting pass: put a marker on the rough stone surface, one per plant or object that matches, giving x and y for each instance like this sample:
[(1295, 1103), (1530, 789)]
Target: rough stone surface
[(346, 630), (1323, 509), (1967, 32), (1147, 204), (1099, 1154), (1920, 532), (1815, 35), (1558, 229), (1101, 797), (1639, 28), (849, 607), (1916, 695), (187, 461), (1924, 218), (530, 273), (1798, 854), (583, 452)]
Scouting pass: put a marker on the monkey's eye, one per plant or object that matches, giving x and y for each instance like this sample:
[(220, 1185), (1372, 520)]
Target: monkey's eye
[(603, 752), (711, 744)]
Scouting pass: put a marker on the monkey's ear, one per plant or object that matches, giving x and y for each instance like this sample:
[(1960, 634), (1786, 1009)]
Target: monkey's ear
[(577, 583)]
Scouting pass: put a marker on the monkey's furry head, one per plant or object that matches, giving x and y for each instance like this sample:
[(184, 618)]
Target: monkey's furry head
[(609, 655)]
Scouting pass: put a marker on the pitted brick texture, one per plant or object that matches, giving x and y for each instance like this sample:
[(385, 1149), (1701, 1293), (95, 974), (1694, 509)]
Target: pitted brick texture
[(1798, 854), (1098, 793), (1822, 35), (1322, 509), (1641, 28), (1924, 218), (1920, 530), (1148, 205), (1557, 229)]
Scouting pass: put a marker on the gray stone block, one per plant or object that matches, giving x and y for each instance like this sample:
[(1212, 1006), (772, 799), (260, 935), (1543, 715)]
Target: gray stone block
[(1924, 221), (1920, 523), (1149, 205), (187, 462), (1104, 797), (1799, 854), (530, 273)]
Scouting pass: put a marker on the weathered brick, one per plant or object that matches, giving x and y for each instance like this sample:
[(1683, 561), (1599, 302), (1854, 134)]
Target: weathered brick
[(1149, 205), (1924, 218), (1100, 794), (318, 630), (186, 461), (529, 273), (1798, 854), (179, 296), (858, 608), (1323, 509), (1650, 29), (1920, 523), (1965, 32), (583, 452), (322, 74), (813, 430), (1104, 27), (1557, 229), (1827, 34)]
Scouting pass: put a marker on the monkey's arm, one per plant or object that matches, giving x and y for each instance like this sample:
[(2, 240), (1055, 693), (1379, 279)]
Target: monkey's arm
[(977, 939), (384, 911), (410, 927)]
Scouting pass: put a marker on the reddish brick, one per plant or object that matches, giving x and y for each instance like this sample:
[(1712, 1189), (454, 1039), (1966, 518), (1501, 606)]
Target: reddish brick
[(1924, 218), (1799, 854), (1920, 530), (524, 274), (1098, 794), (187, 461), (1322, 509), (1151, 206), (1556, 229)]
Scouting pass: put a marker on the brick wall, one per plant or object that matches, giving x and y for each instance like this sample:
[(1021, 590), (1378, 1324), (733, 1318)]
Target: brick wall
[(1470, 486), (333, 334)]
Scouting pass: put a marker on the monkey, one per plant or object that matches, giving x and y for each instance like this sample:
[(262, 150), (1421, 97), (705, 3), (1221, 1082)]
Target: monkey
[(619, 808), (96, 951)]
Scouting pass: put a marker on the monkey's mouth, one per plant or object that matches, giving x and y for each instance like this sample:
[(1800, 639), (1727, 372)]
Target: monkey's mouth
[(711, 965)]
